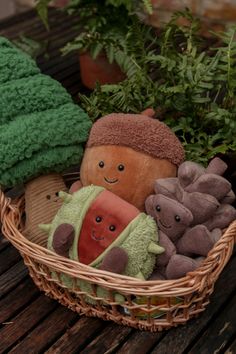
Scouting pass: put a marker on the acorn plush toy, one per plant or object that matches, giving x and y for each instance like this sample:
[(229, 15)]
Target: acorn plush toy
[(126, 153), (97, 228)]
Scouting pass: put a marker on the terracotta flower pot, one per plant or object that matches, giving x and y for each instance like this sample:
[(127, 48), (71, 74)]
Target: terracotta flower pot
[(59, 3), (99, 70)]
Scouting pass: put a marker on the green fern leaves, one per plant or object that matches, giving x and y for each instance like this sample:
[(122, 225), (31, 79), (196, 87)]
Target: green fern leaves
[(195, 87)]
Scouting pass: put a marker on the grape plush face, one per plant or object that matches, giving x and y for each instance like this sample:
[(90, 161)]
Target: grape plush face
[(171, 216), (104, 221)]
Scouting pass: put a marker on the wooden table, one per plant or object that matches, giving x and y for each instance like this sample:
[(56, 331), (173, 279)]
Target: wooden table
[(32, 323)]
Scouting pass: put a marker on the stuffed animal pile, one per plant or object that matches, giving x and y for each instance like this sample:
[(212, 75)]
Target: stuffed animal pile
[(133, 156), (191, 212), (131, 161), (125, 154)]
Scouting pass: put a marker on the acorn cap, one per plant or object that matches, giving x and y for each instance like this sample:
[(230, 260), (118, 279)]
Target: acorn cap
[(139, 132)]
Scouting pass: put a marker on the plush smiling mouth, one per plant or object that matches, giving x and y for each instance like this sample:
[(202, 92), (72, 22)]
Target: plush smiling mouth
[(110, 180), (165, 226), (96, 238)]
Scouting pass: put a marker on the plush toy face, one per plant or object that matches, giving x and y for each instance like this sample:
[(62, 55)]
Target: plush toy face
[(106, 218), (123, 171), (171, 216), (42, 203)]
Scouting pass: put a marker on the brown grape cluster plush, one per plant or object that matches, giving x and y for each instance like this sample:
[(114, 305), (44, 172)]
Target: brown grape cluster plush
[(191, 212)]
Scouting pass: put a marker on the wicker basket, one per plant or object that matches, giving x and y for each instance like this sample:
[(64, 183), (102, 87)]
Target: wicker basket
[(149, 305)]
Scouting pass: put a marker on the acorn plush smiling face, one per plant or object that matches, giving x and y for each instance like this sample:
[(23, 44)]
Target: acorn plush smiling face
[(126, 153), (123, 171)]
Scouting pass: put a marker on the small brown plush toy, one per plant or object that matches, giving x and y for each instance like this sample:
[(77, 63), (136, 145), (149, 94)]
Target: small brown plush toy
[(126, 153)]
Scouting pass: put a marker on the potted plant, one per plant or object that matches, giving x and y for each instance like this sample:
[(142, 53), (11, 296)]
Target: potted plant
[(103, 27), (189, 84)]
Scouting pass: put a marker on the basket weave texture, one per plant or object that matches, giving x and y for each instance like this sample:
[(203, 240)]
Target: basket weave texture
[(149, 305)]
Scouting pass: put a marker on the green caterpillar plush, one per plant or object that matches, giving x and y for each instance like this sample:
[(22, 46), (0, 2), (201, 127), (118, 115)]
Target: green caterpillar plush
[(97, 228)]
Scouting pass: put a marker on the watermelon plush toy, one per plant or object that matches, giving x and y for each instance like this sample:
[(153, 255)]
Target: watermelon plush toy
[(98, 228)]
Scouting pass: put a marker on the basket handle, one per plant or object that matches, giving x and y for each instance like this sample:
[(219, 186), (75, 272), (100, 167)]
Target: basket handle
[(4, 204)]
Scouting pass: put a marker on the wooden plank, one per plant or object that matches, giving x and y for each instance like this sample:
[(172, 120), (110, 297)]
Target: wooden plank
[(77, 336), (24, 321), (36, 30), (9, 257), (219, 333), (109, 340), (177, 340), (12, 21), (140, 343), (232, 348), (17, 299), (68, 74), (12, 277), (32, 23), (46, 332), (3, 242), (59, 63)]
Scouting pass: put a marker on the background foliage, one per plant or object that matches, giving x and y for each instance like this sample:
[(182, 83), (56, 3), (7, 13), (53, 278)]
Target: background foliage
[(189, 84)]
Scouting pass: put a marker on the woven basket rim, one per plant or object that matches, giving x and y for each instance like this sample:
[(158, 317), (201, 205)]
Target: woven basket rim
[(193, 281)]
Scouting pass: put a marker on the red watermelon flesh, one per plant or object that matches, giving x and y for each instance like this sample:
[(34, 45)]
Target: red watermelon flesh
[(106, 218)]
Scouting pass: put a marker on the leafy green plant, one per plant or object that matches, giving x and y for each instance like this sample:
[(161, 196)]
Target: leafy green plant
[(194, 88), (101, 25), (42, 9), (30, 46)]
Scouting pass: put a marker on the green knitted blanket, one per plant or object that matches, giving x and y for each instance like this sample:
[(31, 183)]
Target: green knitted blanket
[(41, 129)]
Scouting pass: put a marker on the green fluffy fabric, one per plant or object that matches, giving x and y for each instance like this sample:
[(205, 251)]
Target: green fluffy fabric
[(135, 239), (28, 134), (33, 94), (42, 162), (14, 64), (41, 129)]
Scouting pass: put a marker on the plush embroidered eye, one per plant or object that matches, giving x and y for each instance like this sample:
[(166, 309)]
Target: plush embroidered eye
[(112, 227), (101, 164), (158, 208), (98, 219), (177, 218), (48, 197), (57, 194), (121, 167)]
